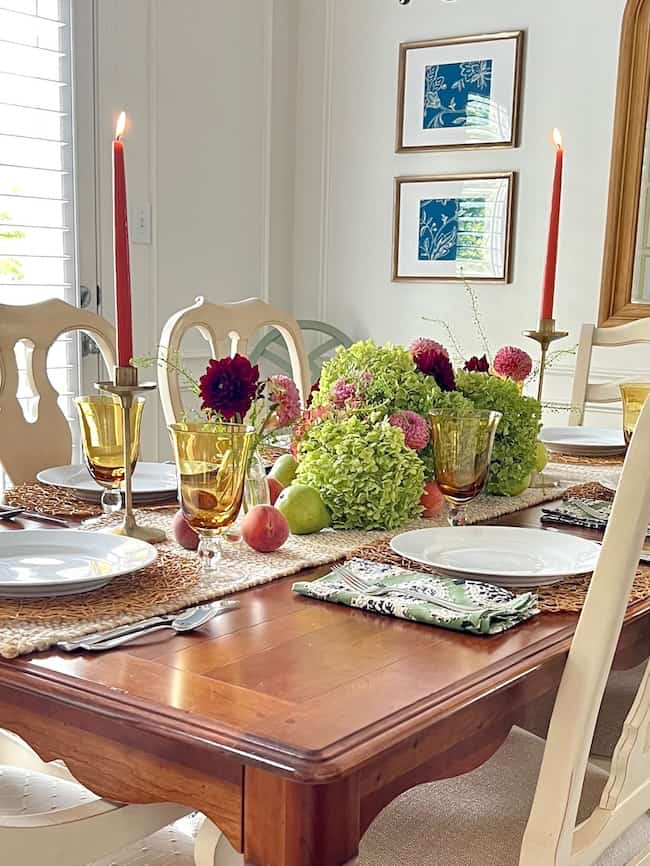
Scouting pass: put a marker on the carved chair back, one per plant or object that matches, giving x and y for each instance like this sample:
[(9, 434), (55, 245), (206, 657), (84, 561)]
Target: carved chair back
[(27, 446), (227, 328), (585, 391)]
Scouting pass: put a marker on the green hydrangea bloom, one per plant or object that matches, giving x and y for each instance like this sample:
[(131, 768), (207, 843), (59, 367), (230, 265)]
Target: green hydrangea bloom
[(364, 472), (396, 383), (515, 443)]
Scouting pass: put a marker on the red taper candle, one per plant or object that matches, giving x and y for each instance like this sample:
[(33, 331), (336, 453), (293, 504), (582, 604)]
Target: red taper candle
[(123, 315), (550, 270)]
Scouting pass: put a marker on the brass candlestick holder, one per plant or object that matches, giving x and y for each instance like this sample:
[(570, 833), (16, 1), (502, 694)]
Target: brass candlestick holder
[(544, 335), (125, 387)]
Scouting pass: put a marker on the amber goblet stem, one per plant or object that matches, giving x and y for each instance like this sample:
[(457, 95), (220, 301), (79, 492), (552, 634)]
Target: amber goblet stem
[(456, 514)]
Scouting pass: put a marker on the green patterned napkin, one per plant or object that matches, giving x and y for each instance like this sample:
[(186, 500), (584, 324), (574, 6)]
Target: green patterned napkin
[(486, 609)]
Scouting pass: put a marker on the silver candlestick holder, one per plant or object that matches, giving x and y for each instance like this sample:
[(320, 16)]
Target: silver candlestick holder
[(125, 387)]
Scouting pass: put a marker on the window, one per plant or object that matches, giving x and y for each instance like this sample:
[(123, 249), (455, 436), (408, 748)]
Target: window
[(37, 178)]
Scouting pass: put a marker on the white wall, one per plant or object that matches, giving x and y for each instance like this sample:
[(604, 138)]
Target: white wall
[(208, 87), (346, 164)]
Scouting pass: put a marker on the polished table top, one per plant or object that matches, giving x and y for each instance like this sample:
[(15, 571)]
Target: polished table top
[(303, 690)]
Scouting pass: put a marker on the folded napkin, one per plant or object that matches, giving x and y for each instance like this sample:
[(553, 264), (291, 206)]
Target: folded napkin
[(490, 609), (570, 513)]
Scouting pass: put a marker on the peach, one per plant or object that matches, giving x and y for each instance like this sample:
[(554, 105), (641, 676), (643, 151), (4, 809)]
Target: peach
[(183, 532), (264, 528), (275, 489), (432, 500)]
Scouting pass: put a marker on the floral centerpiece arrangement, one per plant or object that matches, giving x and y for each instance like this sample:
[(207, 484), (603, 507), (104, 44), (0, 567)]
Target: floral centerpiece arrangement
[(364, 442)]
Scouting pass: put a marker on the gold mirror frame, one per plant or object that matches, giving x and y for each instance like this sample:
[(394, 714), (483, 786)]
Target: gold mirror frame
[(633, 91)]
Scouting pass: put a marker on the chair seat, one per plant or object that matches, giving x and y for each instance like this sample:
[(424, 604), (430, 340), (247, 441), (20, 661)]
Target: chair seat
[(480, 818), (26, 792), (621, 690)]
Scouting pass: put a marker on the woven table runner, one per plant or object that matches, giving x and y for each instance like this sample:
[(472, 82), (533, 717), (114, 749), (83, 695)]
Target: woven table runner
[(572, 460), (175, 580)]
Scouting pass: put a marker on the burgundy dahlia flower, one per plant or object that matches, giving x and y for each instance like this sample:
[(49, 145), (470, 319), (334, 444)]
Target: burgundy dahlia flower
[(425, 353), (478, 365), (229, 387)]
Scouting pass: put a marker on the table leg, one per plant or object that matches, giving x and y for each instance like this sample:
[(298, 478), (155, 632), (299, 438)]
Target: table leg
[(288, 824)]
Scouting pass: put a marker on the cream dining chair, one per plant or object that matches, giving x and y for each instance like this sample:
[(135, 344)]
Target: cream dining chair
[(46, 817), (227, 328), (592, 337), (26, 446), (543, 804)]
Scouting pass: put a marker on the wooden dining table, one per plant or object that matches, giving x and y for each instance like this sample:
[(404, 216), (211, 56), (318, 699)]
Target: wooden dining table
[(291, 722)]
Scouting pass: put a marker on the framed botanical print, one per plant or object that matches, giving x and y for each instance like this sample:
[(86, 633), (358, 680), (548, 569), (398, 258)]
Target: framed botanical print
[(453, 228), (460, 93)]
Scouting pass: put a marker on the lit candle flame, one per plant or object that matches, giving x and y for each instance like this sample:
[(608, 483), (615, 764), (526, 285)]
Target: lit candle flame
[(120, 126), (557, 138)]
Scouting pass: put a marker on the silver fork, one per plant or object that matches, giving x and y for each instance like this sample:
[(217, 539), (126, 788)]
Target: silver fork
[(374, 589)]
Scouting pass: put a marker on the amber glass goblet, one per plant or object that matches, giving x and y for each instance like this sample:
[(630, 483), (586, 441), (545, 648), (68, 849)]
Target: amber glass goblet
[(462, 450), (102, 437), (634, 395), (211, 463)]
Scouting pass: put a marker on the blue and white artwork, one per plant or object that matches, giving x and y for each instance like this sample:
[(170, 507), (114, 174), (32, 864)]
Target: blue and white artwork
[(457, 94), (452, 229), (460, 92)]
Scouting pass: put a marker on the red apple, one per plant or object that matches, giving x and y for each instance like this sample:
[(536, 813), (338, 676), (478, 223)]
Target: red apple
[(264, 528), (275, 489), (432, 500), (183, 532)]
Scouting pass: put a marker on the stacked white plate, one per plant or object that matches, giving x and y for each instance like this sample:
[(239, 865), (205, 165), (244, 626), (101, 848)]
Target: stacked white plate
[(508, 556), (152, 482), (583, 441), (54, 562)]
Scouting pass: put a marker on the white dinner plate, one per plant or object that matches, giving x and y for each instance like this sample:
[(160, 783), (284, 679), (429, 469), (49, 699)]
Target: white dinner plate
[(54, 562), (584, 441), (504, 555), (152, 482)]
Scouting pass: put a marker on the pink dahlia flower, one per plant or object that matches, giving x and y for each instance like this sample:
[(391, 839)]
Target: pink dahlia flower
[(343, 393), (282, 392), (512, 363), (414, 427), (425, 353)]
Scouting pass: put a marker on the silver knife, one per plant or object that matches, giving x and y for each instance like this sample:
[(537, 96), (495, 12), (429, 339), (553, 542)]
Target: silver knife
[(143, 624)]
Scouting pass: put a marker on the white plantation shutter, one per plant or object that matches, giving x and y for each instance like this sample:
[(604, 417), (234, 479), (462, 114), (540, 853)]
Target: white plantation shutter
[(37, 194)]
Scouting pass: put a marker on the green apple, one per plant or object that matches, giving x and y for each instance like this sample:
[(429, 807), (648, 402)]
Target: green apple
[(304, 509), (284, 469), (541, 457)]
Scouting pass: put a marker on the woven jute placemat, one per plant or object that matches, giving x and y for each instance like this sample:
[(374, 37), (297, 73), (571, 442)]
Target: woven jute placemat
[(566, 597), (175, 580), (53, 501)]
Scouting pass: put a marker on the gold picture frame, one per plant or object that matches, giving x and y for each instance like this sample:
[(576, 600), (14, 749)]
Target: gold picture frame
[(625, 182), (494, 191), (517, 37)]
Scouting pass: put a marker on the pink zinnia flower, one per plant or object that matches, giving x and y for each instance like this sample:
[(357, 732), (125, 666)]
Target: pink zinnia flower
[(343, 393), (283, 392), (425, 353), (512, 363), (414, 427)]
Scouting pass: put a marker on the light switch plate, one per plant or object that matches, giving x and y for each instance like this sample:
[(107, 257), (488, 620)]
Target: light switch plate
[(140, 224)]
